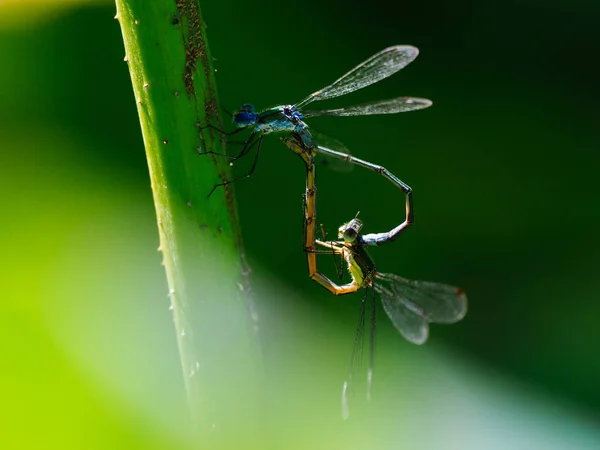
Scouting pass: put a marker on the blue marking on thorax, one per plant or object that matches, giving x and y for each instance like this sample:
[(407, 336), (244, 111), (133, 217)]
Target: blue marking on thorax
[(280, 118), (293, 114)]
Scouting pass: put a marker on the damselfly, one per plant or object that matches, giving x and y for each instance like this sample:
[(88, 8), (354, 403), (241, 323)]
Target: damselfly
[(410, 305), (290, 118), (307, 153)]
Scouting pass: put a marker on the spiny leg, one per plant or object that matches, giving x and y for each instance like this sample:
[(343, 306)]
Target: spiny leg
[(223, 132), (339, 267), (247, 145), (324, 281), (249, 174), (330, 244)]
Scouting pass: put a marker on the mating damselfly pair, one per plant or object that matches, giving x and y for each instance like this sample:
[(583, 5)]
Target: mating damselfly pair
[(411, 305)]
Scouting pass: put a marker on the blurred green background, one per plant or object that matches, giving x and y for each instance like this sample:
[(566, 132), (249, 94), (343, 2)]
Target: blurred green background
[(505, 174)]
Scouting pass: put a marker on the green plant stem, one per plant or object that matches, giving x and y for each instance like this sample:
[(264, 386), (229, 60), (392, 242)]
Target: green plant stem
[(174, 87)]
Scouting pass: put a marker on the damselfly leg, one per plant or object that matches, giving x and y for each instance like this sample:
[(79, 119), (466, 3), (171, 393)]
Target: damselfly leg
[(410, 305), (290, 118), (298, 146), (249, 174), (337, 260)]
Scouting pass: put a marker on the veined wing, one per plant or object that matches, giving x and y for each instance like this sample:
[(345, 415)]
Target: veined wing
[(391, 106), (410, 322), (335, 163), (379, 66), (437, 302)]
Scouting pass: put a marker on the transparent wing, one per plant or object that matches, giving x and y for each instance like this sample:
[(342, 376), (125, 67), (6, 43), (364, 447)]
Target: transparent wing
[(410, 322), (392, 106), (379, 66), (336, 164), (437, 302)]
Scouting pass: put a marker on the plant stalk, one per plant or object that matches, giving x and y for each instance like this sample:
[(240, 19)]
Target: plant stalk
[(174, 86)]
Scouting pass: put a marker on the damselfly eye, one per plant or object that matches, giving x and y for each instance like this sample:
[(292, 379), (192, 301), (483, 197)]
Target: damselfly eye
[(245, 116), (350, 235), (351, 230)]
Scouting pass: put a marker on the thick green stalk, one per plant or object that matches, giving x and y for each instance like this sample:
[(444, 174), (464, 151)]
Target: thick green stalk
[(173, 82)]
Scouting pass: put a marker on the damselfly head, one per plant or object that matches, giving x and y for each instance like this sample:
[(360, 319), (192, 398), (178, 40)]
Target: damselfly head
[(245, 116), (350, 231)]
